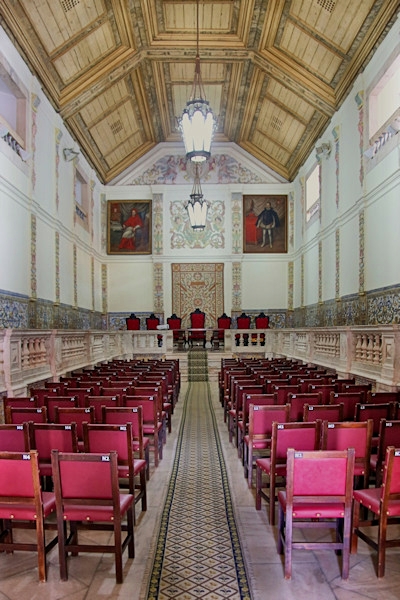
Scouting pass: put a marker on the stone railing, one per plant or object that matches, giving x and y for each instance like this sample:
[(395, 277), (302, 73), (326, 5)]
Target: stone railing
[(367, 352), (30, 356)]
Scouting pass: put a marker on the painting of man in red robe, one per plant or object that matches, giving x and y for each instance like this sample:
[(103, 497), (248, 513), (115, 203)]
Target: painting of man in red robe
[(129, 227)]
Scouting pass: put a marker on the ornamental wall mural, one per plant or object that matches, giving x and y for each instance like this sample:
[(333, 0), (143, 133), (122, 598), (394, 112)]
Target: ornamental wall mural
[(174, 169), (182, 234), (198, 285)]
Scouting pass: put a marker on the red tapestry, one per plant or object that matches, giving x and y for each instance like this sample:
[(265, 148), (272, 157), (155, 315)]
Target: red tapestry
[(200, 286)]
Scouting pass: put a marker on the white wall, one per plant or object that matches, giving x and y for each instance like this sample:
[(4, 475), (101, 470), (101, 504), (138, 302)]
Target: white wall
[(44, 187)]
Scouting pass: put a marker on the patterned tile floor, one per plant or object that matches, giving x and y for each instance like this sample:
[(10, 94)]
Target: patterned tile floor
[(314, 577)]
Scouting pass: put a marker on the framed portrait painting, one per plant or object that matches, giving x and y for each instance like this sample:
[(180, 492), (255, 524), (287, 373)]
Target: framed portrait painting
[(265, 223), (129, 227)]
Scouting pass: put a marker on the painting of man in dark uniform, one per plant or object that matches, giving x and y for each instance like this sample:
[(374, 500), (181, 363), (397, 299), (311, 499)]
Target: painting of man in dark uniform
[(264, 224)]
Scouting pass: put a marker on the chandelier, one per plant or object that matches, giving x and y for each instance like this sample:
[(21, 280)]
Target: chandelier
[(197, 205), (197, 123)]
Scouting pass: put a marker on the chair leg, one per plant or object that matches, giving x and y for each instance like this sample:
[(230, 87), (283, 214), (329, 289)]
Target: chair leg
[(356, 521), (272, 499), (250, 465), (288, 545), (118, 551), (281, 530), (381, 545), (346, 539), (258, 487), (41, 550)]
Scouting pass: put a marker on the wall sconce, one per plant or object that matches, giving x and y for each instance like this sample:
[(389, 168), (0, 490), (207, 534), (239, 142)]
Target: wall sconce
[(70, 154), (323, 150)]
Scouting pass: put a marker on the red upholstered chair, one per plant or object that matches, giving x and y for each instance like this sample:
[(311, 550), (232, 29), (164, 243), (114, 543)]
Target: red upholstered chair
[(22, 402), (197, 321), (133, 322), (88, 497), (133, 415), (319, 493), (261, 321), (302, 436), (349, 434), (384, 503), (22, 415), (106, 437), (258, 440), (389, 435), (243, 321), (22, 501), (14, 437), (152, 322), (175, 323), (323, 412), (223, 322), (44, 437)]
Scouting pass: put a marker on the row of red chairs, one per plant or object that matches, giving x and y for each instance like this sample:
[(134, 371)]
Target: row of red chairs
[(266, 426), (74, 454)]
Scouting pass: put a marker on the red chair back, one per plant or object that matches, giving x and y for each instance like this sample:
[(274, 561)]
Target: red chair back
[(323, 412), (98, 401), (297, 402), (349, 434), (51, 402), (301, 436), (261, 322), (14, 437), (243, 322), (152, 322), (22, 415), (133, 323)]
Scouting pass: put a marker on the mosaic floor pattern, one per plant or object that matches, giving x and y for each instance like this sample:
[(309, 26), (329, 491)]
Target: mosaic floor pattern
[(198, 552)]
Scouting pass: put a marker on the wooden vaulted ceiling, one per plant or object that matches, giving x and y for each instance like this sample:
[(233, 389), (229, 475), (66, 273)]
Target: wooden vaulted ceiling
[(120, 71)]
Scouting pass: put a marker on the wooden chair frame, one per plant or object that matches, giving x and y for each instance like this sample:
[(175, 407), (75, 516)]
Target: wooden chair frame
[(384, 503), (23, 504), (88, 497), (319, 493), (302, 436)]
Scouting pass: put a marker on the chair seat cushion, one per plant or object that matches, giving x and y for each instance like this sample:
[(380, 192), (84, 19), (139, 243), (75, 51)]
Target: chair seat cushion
[(371, 499), (26, 512), (93, 512), (313, 510), (265, 465), (135, 444), (138, 465), (262, 444)]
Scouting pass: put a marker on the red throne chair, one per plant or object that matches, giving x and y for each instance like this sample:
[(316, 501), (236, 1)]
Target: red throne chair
[(262, 322), (243, 322), (197, 321), (218, 337), (175, 323), (152, 322), (133, 322)]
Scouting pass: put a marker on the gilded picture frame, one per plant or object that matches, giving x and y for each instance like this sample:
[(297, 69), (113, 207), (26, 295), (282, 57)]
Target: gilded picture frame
[(129, 227), (265, 223)]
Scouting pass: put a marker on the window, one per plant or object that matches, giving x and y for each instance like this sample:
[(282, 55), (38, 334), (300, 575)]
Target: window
[(82, 198), (384, 99), (384, 108), (313, 192), (13, 111)]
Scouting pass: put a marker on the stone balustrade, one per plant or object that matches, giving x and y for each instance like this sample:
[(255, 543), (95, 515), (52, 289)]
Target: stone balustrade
[(28, 356)]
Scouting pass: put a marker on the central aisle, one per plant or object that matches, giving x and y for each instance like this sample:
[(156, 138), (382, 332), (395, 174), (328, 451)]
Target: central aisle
[(198, 552)]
